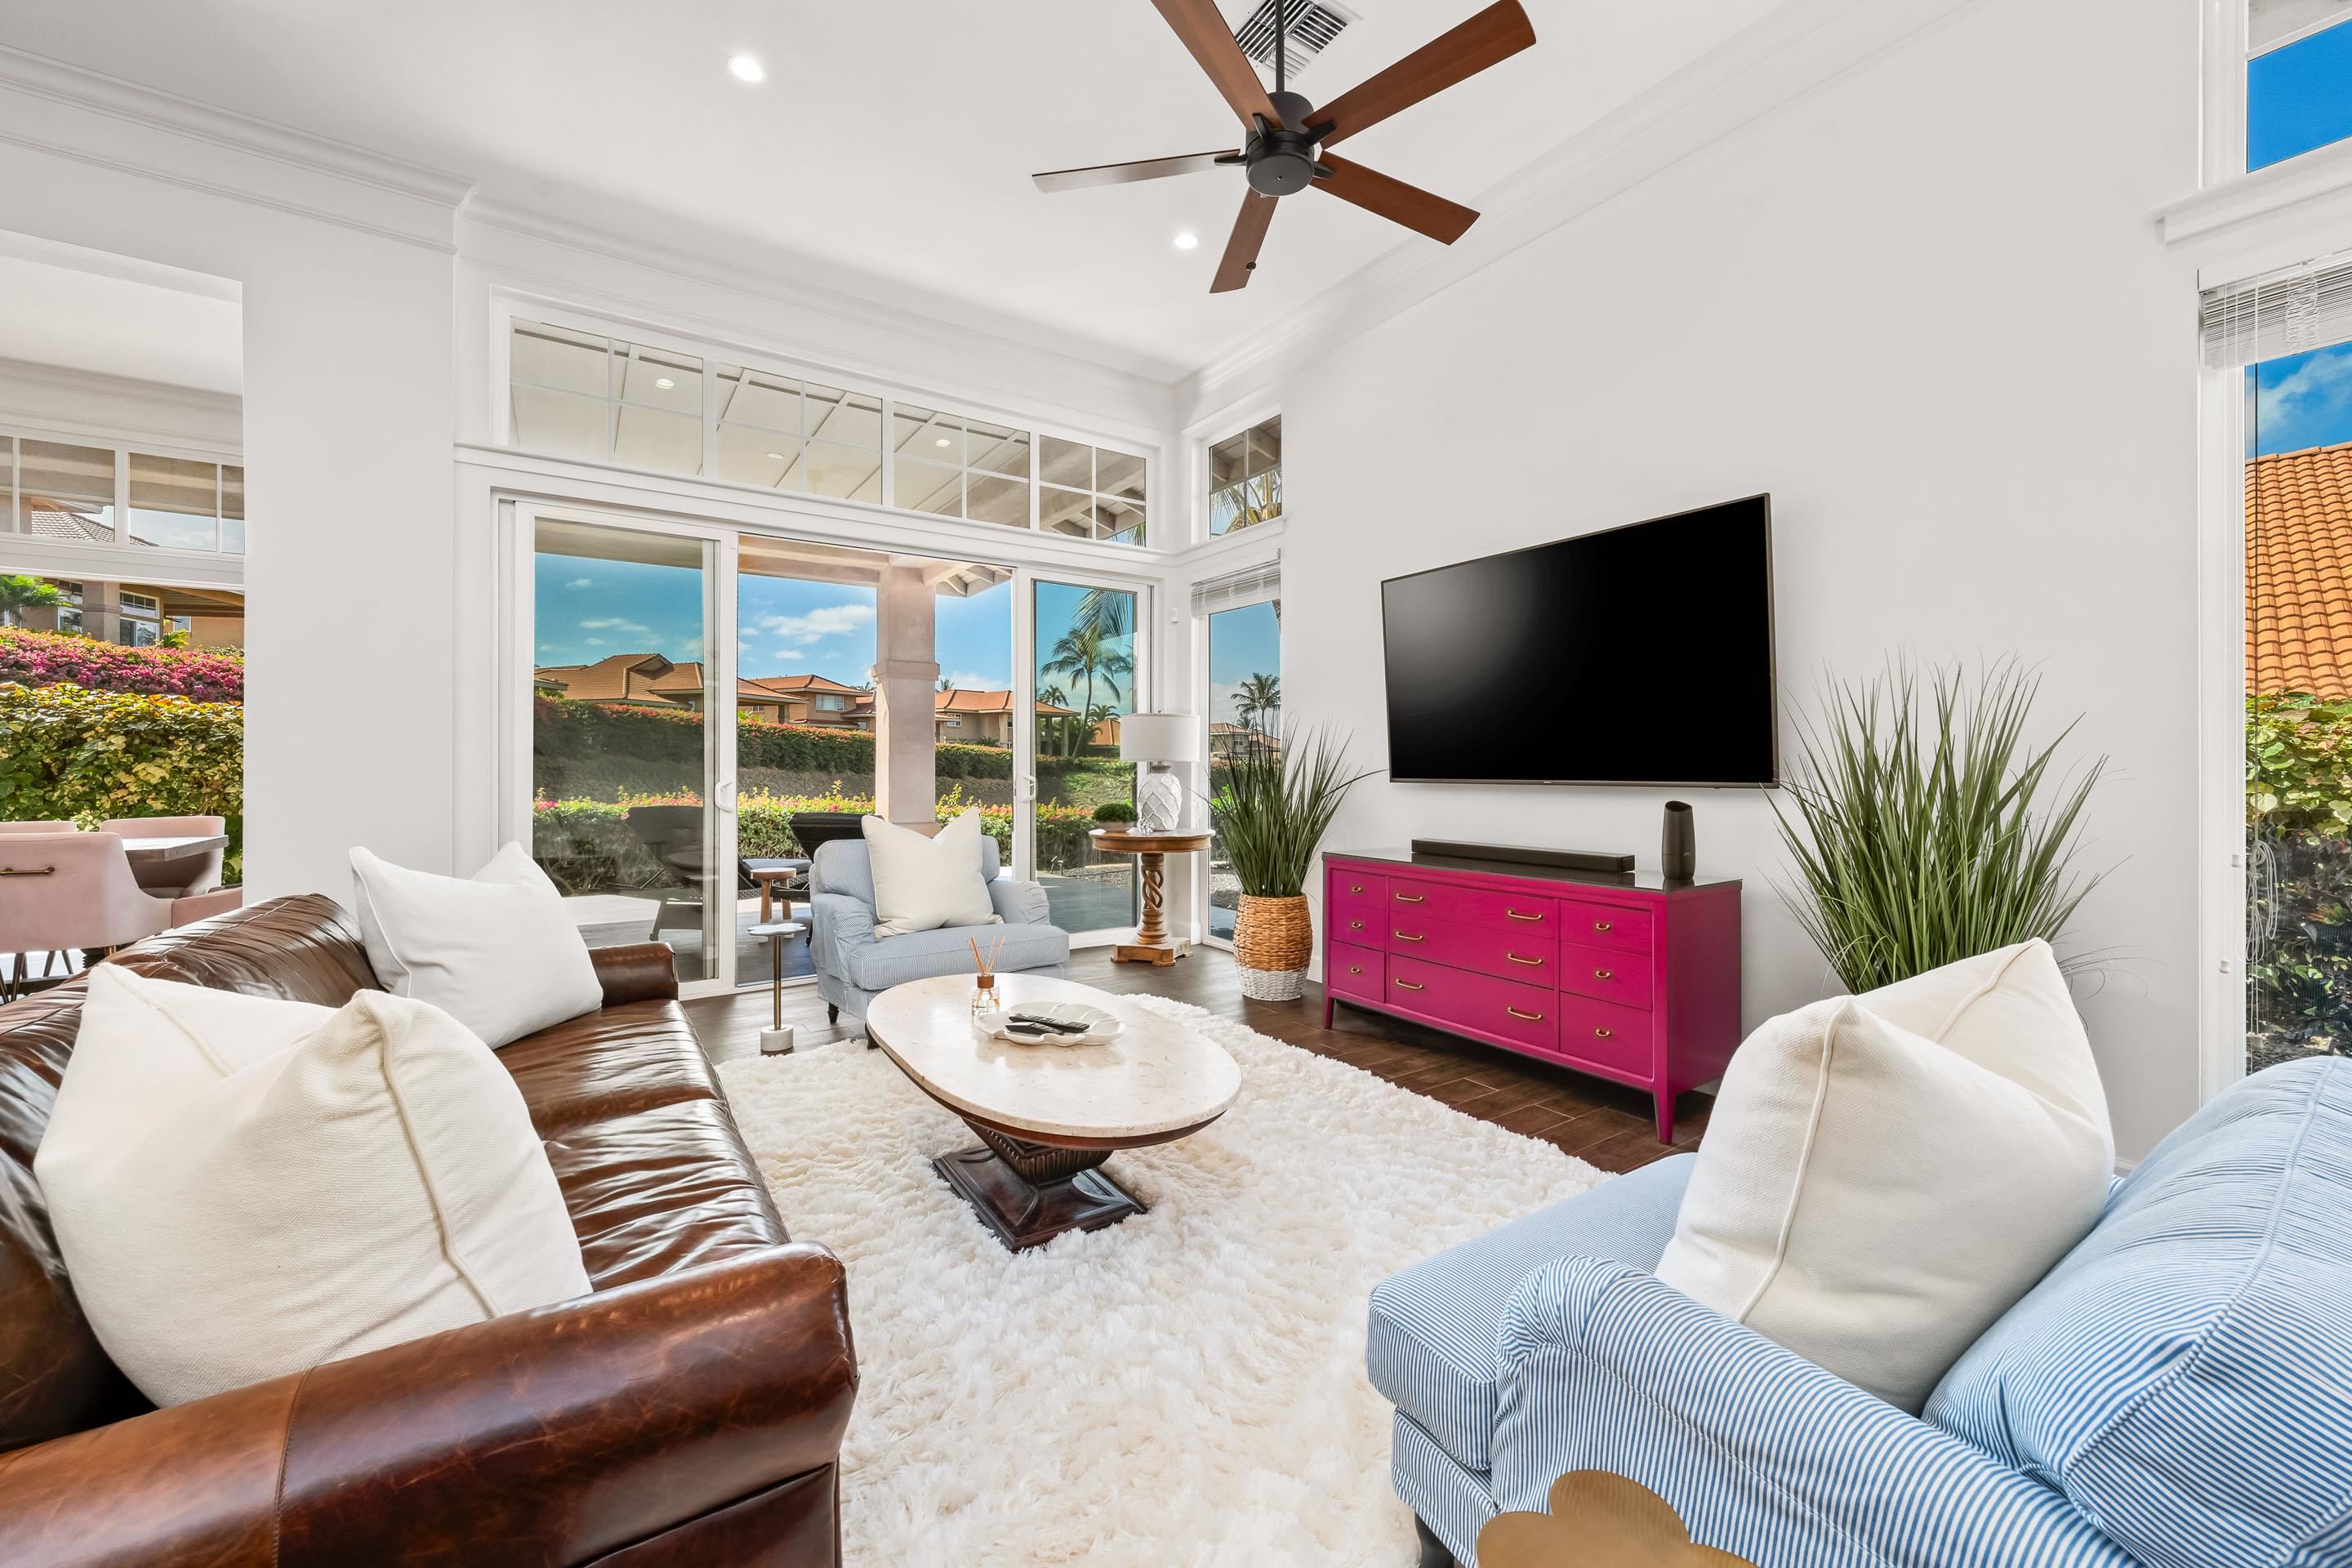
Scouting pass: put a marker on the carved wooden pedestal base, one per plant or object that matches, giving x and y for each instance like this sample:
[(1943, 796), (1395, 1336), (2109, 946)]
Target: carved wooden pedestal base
[(1152, 943), (1028, 1193)]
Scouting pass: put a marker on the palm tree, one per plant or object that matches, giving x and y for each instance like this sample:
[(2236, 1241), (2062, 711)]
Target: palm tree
[(1258, 698), (1084, 653), (21, 594), (1104, 611)]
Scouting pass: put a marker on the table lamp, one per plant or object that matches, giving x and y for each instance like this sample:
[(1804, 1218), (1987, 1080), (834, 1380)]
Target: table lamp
[(1159, 740)]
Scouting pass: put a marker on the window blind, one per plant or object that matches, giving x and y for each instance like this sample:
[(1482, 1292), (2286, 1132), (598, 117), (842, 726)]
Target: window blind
[(2290, 311), (1250, 586)]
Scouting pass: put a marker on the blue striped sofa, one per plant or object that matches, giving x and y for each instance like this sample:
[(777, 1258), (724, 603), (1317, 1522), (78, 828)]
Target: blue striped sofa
[(2176, 1393)]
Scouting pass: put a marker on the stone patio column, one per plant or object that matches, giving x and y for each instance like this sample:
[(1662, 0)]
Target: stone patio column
[(906, 678)]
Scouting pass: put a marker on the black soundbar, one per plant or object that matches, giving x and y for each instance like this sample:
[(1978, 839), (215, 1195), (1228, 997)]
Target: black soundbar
[(1565, 859)]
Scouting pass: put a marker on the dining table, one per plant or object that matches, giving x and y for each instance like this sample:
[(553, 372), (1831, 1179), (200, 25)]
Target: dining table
[(176, 846)]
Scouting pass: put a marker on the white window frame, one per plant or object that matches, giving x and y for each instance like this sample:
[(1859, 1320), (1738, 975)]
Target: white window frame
[(509, 307), (122, 446), (1204, 647), (1208, 480)]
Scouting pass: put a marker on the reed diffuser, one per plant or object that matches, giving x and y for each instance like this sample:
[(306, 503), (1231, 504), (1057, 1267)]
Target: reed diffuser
[(984, 987)]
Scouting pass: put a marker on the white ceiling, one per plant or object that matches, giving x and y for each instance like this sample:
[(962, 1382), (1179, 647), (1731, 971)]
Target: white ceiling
[(893, 139)]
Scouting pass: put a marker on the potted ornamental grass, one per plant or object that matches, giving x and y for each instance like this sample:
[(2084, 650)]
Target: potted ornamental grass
[(1926, 828), (1270, 808)]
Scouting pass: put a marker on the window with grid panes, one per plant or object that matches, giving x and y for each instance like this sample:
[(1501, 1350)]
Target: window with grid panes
[(1090, 492)]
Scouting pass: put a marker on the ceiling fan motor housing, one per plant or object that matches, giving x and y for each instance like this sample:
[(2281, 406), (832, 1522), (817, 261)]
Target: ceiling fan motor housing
[(1282, 157)]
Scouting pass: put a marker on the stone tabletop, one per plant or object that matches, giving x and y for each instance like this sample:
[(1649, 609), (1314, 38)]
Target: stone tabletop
[(1157, 1077)]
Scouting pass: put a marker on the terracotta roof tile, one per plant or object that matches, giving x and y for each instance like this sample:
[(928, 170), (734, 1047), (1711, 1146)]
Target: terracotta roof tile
[(2299, 572)]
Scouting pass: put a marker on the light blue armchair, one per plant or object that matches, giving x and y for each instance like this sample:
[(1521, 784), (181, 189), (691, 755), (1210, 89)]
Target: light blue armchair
[(2176, 1393), (854, 965)]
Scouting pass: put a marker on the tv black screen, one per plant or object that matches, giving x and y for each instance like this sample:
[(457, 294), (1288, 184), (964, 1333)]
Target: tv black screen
[(1638, 654)]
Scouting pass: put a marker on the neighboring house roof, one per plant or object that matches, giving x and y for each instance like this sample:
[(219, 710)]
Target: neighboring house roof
[(2299, 572), (645, 678), (61, 519), (798, 685)]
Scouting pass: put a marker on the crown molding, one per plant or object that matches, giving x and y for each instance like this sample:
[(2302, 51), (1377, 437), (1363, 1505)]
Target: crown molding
[(68, 378), (747, 267), (160, 135), (1787, 54)]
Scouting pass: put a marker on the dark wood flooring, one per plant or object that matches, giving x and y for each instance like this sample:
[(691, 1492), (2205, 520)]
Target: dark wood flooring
[(1592, 1119)]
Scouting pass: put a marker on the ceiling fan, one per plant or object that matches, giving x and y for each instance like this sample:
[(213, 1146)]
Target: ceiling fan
[(1288, 137)]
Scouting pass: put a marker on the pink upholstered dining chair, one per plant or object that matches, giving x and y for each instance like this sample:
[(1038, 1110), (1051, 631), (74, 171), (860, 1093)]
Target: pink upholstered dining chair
[(38, 828), (180, 879), (60, 891)]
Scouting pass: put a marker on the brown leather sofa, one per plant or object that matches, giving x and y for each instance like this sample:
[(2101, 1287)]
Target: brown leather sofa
[(689, 1411)]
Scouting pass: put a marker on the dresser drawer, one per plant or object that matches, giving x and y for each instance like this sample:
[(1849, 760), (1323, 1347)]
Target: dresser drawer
[(1522, 1015), (1606, 973), (1606, 1035), (1359, 924), (1358, 972), (1473, 906), (1527, 956), (1350, 886), (1604, 925)]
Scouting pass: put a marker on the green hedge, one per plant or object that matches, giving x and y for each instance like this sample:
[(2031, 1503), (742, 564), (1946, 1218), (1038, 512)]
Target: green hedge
[(586, 845), (90, 755), (565, 731), (2299, 821)]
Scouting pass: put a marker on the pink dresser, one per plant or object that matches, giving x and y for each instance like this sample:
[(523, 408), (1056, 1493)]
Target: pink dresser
[(1627, 978)]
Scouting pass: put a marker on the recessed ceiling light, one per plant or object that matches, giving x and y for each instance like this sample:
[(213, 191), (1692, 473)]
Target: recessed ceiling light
[(943, 441), (745, 68), (665, 383), (1187, 240), (778, 456)]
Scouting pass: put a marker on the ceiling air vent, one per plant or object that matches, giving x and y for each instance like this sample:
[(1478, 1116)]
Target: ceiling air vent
[(1313, 24)]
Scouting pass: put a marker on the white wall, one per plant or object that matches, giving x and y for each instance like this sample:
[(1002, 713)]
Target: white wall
[(348, 414), (1926, 308)]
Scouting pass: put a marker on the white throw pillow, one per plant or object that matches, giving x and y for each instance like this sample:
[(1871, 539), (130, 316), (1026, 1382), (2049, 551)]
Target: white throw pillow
[(922, 883), (244, 1187), (1885, 1175), (497, 950)]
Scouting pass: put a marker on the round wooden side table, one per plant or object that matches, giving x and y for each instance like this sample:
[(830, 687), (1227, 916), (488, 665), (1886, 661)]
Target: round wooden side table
[(1152, 943)]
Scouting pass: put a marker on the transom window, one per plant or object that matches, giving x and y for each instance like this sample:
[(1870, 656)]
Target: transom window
[(1090, 492), (1245, 478), (2298, 78), (113, 495), (578, 393)]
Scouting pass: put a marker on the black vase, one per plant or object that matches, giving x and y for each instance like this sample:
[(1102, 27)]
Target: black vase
[(1677, 845)]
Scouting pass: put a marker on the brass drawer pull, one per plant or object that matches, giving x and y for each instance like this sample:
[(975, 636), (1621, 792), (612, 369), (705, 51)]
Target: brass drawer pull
[(1602, 1034), (1604, 925), (1355, 969), (27, 870), (1355, 925), (1413, 898), (1409, 985), (1604, 975), (1530, 963), (1408, 936), (1530, 1017), (1514, 914), (1354, 886)]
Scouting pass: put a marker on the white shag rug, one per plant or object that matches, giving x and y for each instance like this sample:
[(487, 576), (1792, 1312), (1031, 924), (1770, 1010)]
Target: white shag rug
[(1185, 1388)]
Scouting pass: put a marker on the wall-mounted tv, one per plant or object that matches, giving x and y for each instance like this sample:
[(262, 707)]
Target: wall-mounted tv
[(1640, 655)]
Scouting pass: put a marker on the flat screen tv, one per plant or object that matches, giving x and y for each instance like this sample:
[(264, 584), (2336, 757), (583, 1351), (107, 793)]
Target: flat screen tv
[(1641, 655)]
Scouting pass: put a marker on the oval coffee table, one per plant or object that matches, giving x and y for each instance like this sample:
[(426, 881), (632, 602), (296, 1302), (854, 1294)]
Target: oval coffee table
[(1049, 1115)]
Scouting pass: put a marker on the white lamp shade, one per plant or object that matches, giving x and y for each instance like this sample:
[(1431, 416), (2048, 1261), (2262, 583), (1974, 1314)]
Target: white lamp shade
[(1160, 738)]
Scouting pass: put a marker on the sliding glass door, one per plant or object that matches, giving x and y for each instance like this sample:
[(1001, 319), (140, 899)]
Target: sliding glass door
[(1085, 667), (1245, 710), (629, 725)]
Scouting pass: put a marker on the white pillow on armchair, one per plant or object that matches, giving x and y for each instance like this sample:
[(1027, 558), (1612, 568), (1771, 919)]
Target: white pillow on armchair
[(922, 883)]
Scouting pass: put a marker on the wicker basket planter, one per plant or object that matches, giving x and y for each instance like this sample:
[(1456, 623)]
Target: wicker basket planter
[(1273, 941)]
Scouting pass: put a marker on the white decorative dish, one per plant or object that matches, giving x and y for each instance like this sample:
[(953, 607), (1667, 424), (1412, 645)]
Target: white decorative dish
[(1096, 1024)]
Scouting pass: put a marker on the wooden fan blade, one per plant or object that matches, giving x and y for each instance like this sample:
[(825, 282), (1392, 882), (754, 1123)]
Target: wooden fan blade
[(1241, 250), (1204, 32), (1127, 173), (1496, 34), (1434, 216)]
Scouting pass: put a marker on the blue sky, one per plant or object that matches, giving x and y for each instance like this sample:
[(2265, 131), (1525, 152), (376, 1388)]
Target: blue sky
[(2301, 401), (1241, 643), (588, 610), (2299, 97)]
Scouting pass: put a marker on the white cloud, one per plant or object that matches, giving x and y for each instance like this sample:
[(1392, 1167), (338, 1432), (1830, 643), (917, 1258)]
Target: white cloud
[(615, 623), (595, 642), (965, 681), (581, 583), (796, 632)]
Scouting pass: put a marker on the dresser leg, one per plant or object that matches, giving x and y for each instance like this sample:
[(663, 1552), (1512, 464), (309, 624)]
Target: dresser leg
[(1327, 1009), (1665, 1104)]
